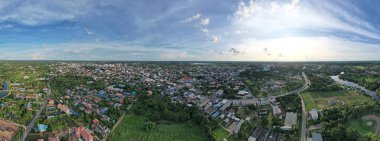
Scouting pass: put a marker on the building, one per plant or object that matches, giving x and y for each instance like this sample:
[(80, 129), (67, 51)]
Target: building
[(40, 128), (276, 110), (64, 108), (316, 136), (55, 138), (314, 114), (82, 133), (237, 127), (242, 93), (255, 135)]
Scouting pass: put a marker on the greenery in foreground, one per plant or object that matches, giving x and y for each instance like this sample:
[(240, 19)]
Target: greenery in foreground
[(138, 128), (155, 118), (337, 123)]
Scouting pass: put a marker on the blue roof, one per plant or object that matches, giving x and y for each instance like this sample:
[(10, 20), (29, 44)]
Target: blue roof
[(215, 114), (41, 128), (105, 109), (102, 92)]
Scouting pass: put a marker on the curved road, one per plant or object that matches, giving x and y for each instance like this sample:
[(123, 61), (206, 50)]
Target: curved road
[(304, 87), (304, 113), (31, 124)]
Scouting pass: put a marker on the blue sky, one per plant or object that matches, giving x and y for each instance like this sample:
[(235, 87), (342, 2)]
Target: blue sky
[(228, 30)]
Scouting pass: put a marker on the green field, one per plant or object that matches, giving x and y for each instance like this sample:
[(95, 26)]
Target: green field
[(320, 100), (219, 134), (132, 129), (361, 126)]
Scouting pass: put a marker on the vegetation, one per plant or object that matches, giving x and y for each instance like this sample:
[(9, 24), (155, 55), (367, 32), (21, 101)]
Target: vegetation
[(334, 122), (343, 98), (364, 75), (322, 83), (219, 134), (157, 110), (133, 128), (274, 82)]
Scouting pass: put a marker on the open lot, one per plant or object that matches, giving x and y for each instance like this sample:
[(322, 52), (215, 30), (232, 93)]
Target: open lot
[(367, 123), (219, 134), (132, 128), (320, 100)]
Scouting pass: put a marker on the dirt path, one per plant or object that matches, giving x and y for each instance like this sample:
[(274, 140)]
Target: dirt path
[(375, 118)]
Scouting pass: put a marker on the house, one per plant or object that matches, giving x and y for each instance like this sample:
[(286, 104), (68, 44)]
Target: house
[(316, 137), (263, 112), (276, 110), (96, 121), (55, 138), (64, 108), (219, 93), (40, 128), (314, 114), (82, 133), (29, 106), (237, 127), (215, 114), (290, 121), (272, 136), (226, 105), (104, 110), (255, 135), (264, 135), (242, 93), (280, 137)]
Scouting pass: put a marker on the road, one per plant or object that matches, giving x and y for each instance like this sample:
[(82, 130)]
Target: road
[(304, 113), (117, 123), (304, 117), (32, 123), (304, 87)]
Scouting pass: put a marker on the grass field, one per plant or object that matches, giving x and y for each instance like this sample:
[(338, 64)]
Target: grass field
[(361, 126), (131, 129), (219, 134), (345, 98)]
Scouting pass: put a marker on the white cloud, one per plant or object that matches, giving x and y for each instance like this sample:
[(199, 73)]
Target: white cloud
[(265, 19), (296, 48), (192, 18), (246, 10), (33, 13), (5, 26), (205, 21), (88, 31), (214, 38), (204, 30)]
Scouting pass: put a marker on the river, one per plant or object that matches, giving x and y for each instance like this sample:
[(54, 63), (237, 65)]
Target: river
[(352, 84)]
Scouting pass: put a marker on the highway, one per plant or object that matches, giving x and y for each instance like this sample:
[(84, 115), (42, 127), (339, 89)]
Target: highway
[(32, 123)]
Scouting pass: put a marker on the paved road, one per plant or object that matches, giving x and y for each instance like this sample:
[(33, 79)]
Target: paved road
[(304, 113), (304, 87), (31, 124), (304, 117)]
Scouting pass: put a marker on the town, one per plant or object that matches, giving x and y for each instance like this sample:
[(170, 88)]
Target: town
[(233, 101)]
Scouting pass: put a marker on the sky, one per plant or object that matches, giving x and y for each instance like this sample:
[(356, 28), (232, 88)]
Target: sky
[(190, 30)]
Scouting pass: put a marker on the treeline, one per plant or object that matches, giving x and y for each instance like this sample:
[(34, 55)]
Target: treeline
[(370, 82), (157, 108), (322, 83), (333, 122)]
